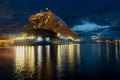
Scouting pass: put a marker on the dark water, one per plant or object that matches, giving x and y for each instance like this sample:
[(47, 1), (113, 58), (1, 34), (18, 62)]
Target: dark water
[(60, 62)]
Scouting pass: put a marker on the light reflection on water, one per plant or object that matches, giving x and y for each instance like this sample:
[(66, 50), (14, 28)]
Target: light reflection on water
[(73, 61), (116, 50), (31, 60), (24, 61)]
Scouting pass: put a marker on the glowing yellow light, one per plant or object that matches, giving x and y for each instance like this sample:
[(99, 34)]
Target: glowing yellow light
[(71, 56), (39, 48), (24, 59), (58, 34), (59, 59), (48, 16)]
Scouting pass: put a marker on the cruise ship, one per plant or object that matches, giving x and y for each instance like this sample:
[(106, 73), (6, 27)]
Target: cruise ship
[(45, 27)]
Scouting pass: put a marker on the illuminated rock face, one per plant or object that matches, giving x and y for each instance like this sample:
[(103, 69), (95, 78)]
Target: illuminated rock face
[(46, 25)]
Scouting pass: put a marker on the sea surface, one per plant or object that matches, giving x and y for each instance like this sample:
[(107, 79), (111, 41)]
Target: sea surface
[(85, 61)]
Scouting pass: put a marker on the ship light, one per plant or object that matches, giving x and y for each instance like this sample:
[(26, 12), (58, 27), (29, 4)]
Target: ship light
[(39, 39), (46, 20), (70, 38), (17, 38), (32, 37), (78, 40), (58, 34), (20, 38), (47, 39), (48, 16)]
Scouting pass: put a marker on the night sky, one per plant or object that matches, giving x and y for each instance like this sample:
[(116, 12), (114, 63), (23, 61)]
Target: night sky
[(89, 17)]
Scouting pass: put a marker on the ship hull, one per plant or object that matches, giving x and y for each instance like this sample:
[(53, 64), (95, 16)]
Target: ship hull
[(36, 37)]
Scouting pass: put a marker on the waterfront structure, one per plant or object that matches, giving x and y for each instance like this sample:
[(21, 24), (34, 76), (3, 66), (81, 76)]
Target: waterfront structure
[(45, 27)]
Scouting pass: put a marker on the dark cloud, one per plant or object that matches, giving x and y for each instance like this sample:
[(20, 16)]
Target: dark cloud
[(5, 10)]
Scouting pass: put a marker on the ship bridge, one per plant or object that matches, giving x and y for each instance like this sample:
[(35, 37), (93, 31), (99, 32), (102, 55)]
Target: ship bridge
[(47, 24)]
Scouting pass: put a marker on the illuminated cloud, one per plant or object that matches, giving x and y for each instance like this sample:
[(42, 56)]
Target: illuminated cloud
[(88, 26)]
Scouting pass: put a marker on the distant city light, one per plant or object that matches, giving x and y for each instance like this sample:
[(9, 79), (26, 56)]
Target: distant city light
[(94, 37)]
